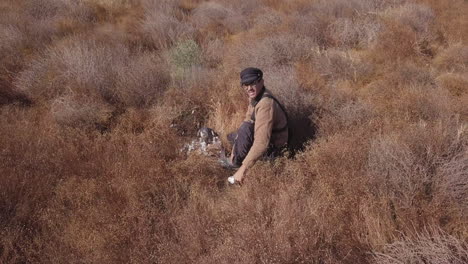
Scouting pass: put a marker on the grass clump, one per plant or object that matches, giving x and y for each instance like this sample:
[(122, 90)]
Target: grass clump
[(98, 98), (185, 54)]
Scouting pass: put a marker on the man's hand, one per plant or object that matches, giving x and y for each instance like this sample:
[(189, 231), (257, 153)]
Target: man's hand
[(239, 175)]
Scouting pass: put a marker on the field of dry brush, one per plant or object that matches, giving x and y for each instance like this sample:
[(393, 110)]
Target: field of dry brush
[(97, 97)]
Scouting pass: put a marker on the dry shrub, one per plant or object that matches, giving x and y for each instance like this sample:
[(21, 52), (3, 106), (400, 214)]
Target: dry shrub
[(212, 53), (408, 74), (253, 221), (329, 80), (358, 29), (140, 174), (43, 19), (210, 15), (141, 81), (339, 158), (83, 222), (193, 174), (84, 190), (224, 119), (406, 177), (343, 9), (151, 134), (228, 110), (420, 103), (329, 22), (12, 37), (417, 29), (311, 26), (409, 93), (344, 115), (189, 95), (38, 22), (23, 33), (92, 171), (52, 17), (282, 81), (45, 8), (9, 95), (267, 20), (451, 21), (338, 107), (397, 42), (35, 75), (456, 84), (35, 155), (308, 78), (418, 16), (336, 167), (114, 4), (104, 207), (335, 65), (97, 69), (193, 79), (109, 72), (272, 51), (73, 110), (188, 5), (396, 172), (453, 59), (355, 33), (451, 179), (114, 11), (431, 247), (247, 7), (160, 26)]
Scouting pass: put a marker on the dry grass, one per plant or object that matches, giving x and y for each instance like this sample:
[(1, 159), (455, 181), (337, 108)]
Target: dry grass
[(97, 98), (163, 24), (455, 83), (453, 59), (208, 15), (107, 71), (360, 33), (433, 246)]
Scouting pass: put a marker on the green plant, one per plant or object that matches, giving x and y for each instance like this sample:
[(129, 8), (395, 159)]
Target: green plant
[(184, 55)]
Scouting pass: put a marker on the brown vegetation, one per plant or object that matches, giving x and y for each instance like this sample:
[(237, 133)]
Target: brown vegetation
[(98, 97)]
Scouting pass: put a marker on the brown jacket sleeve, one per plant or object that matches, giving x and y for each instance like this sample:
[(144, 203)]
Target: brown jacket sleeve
[(249, 112), (262, 132)]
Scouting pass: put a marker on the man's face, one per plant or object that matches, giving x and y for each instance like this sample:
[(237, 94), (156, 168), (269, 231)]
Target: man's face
[(253, 89)]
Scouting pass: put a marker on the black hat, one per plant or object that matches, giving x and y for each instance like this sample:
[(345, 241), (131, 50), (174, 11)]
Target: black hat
[(250, 75)]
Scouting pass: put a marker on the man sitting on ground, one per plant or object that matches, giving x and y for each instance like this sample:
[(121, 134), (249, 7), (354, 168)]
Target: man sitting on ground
[(264, 132)]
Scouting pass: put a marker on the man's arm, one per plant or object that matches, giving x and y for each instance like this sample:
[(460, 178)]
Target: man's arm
[(262, 132)]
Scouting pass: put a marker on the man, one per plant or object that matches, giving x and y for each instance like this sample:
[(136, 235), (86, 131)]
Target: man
[(264, 132)]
